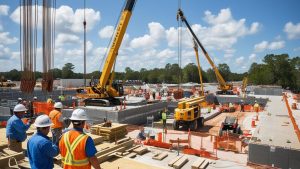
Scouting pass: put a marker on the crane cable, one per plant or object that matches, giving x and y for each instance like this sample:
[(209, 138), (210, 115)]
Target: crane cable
[(179, 29), (84, 43)]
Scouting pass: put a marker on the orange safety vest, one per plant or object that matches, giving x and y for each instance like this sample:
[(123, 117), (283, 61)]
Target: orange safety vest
[(72, 150), (54, 116)]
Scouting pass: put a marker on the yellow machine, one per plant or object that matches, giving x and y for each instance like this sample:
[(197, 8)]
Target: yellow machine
[(6, 83), (244, 85), (104, 92), (188, 113), (225, 88)]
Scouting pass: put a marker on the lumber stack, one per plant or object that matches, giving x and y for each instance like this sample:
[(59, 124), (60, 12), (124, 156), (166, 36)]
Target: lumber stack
[(113, 133)]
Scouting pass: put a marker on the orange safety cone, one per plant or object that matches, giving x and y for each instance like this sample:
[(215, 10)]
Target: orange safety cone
[(253, 123), (159, 136)]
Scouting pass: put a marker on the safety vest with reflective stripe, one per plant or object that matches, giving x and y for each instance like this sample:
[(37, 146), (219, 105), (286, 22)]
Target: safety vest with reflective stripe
[(164, 115), (55, 116), (72, 149)]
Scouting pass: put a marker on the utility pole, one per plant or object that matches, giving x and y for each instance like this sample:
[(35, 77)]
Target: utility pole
[(84, 47)]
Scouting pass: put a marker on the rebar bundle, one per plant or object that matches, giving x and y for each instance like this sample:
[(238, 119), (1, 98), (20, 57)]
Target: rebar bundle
[(28, 25), (48, 43)]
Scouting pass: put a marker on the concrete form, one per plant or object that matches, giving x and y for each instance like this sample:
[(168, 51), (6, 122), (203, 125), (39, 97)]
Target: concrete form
[(274, 141)]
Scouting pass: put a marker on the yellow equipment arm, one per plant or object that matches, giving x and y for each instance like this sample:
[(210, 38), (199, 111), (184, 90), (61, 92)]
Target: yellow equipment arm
[(113, 52), (199, 67)]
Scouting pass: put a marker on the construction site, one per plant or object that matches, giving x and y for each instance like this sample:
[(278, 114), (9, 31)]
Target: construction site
[(139, 125)]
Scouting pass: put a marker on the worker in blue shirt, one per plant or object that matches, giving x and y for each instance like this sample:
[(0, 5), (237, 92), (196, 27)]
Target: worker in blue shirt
[(40, 149), (16, 129)]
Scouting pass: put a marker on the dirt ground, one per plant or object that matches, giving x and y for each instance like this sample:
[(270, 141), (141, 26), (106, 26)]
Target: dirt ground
[(212, 126)]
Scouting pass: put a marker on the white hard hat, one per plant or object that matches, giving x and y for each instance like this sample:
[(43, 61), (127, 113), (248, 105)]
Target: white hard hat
[(43, 121), (20, 99), (79, 114), (58, 105), (19, 108), (34, 97)]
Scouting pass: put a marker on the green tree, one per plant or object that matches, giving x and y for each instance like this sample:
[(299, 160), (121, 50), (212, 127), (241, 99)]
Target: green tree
[(225, 71), (67, 71)]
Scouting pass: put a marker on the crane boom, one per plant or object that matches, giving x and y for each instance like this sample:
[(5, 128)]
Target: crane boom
[(105, 91), (113, 52), (198, 66), (222, 84)]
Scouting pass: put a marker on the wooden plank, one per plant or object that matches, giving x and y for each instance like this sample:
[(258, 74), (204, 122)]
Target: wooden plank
[(160, 156), (178, 164), (141, 150), (4, 160), (174, 161), (135, 147), (123, 140), (131, 155), (198, 163), (204, 165)]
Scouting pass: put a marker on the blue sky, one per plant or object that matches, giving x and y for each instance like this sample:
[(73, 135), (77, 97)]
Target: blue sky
[(234, 32)]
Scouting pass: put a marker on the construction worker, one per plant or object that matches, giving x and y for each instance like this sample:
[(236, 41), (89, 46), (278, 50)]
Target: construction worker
[(231, 108), (16, 129), (20, 100), (141, 136), (40, 149), (164, 117), (30, 106), (76, 148), (49, 100), (57, 119), (242, 106), (256, 109), (62, 97), (209, 109)]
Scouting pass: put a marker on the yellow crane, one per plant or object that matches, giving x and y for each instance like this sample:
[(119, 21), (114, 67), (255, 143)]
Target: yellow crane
[(244, 86), (225, 88), (104, 92)]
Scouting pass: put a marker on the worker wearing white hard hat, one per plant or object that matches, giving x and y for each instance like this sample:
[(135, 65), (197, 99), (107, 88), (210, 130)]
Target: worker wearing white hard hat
[(16, 129), (57, 119), (83, 150), (20, 100), (40, 149)]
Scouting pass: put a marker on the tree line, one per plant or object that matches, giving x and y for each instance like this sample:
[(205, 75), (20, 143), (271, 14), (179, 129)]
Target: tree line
[(274, 70)]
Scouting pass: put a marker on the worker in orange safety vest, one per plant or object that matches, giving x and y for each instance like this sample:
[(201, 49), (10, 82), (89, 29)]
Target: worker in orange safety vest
[(57, 119), (76, 148)]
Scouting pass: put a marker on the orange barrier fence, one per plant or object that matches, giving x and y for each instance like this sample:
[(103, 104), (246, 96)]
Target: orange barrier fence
[(296, 128), (42, 107)]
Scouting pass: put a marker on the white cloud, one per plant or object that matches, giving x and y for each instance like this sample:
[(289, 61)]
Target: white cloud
[(276, 45), (222, 32), (239, 60), (4, 9), (252, 57), (66, 39), (296, 49), (264, 45), (67, 20), (156, 32), (106, 32), (261, 46), (292, 31), (6, 39), (167, 53)]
